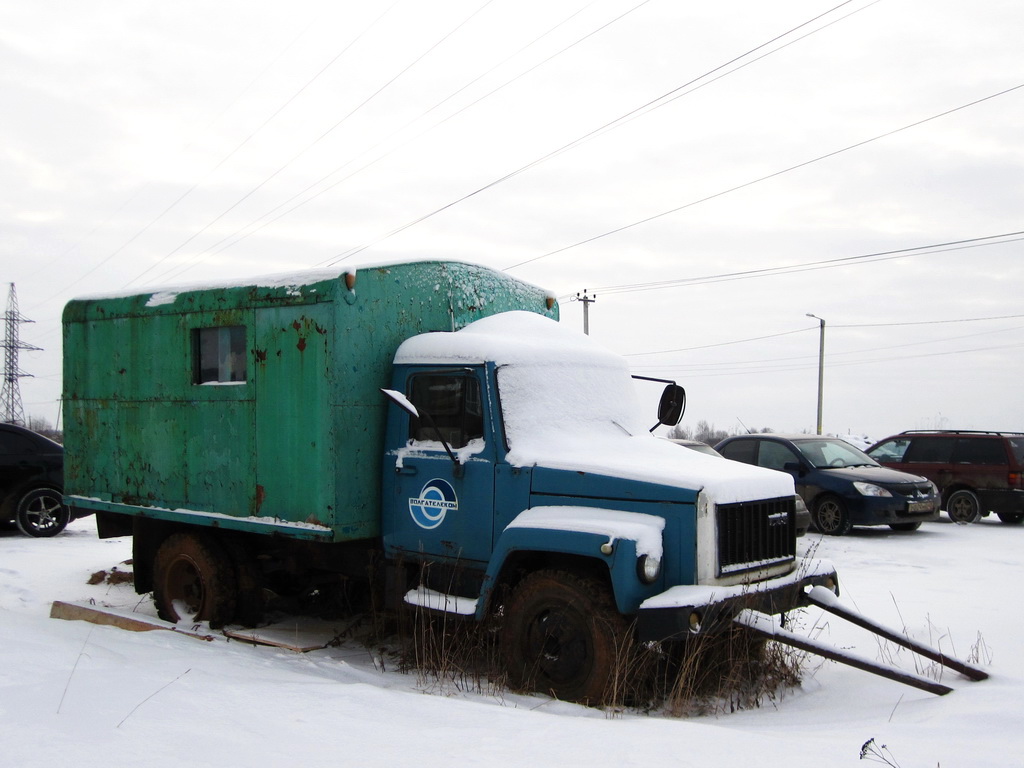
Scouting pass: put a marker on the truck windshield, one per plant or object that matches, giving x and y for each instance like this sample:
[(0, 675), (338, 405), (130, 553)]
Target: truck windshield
[(555, 403)]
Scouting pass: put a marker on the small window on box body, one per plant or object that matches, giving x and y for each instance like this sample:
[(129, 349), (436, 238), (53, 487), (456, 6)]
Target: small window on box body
[(218, 355)]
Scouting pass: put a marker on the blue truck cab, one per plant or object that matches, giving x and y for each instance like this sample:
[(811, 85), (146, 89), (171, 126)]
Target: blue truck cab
[(520, 471)]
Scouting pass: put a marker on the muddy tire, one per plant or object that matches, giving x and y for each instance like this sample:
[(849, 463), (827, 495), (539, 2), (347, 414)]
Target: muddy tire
[(963, 507), (194, 580), (41, 513), (831, 516), (563, 635)]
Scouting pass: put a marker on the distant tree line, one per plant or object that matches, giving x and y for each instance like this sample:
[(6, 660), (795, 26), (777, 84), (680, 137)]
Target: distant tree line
[(45, 428), (705, 432)]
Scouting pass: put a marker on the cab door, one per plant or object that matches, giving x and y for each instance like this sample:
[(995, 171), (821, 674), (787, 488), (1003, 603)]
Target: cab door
[(438, 507)]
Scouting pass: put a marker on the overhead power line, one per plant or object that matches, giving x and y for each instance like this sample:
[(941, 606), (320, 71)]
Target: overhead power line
[(843, 261), (316, 141), (927, 322), (227, 157), (860, 325), (649, 106), (720, 344), (269, 216), (767, 177), (744, 370), (353, 251)]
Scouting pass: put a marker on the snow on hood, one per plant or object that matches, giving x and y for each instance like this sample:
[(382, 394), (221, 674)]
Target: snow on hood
[(570, 404)]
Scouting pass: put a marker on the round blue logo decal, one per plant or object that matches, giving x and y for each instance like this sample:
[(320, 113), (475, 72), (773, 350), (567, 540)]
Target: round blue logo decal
[(435, 501)]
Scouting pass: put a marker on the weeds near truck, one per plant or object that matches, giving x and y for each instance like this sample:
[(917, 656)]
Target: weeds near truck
[(979, 654), (704, 675), (445, 652), (709, 674)]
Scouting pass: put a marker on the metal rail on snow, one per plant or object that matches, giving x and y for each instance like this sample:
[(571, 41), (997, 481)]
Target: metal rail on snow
[(827, 601)]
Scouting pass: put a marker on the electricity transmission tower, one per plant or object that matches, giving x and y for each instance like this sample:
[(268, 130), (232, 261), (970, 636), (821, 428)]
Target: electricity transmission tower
[(11, 410)]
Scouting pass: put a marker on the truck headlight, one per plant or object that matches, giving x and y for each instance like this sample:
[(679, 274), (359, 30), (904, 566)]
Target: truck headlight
[(870, 489), (648, 568), (695, 621)]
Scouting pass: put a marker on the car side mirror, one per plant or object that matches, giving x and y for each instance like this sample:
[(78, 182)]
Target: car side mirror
[(795, 468)]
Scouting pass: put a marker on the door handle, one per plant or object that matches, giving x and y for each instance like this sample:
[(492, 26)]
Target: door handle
[(405, 470)]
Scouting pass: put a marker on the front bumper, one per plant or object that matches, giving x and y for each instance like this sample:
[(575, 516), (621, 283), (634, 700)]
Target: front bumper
[(875, 510), (684, 611)]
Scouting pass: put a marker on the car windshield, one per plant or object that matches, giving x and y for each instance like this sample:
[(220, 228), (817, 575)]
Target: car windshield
[(833, 453)]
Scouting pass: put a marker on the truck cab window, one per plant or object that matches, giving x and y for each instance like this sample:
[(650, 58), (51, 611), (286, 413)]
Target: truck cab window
[(218, 355), (453, 402)]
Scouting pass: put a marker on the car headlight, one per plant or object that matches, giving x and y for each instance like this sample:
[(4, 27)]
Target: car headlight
[(648, 568), (870, 489)]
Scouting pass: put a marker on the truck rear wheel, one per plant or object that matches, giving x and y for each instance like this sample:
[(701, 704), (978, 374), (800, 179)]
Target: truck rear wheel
[(563, 635), (194, 580)]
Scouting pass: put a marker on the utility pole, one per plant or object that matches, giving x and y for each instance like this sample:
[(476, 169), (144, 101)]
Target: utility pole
[(821, 366), (587, 301), (11, 409)]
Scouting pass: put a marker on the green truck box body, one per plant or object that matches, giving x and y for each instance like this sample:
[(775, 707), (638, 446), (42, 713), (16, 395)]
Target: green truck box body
[(297, 443)]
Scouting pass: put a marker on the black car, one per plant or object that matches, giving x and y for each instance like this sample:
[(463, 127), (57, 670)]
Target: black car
[(31, 482), (840, 484), (803, 515)]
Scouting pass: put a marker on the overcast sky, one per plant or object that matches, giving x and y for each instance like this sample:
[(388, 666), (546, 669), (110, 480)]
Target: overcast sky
[(713, 172)]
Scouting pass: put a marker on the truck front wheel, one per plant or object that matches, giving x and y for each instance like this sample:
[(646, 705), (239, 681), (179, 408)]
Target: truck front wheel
[(193, 580), (563, 635)]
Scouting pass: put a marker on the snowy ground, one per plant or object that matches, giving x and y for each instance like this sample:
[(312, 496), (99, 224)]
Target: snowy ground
[(85, 695)]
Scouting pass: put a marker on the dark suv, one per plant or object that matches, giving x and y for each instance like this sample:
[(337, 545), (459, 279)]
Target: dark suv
[(976, 472), (31, 482)]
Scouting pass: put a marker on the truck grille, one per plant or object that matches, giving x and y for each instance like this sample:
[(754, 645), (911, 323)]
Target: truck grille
[(755, 534)]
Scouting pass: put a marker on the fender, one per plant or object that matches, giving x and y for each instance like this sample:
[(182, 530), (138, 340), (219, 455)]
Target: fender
[(615, 538)]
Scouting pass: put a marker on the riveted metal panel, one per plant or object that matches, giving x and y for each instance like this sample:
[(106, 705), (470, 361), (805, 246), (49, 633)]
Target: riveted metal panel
[(300, 440)]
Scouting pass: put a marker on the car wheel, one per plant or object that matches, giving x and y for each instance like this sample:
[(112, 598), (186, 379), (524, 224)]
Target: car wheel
[(831, 516), (563, 635), (193, 580), (963, 507), (42, 513), (1012, 518), (904, 526)]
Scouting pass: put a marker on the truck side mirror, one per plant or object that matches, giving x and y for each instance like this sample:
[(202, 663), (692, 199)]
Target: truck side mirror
[(672, 405)]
